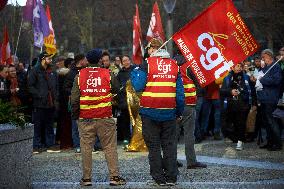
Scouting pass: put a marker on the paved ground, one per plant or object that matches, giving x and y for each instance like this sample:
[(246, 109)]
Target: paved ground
[(227, 168)]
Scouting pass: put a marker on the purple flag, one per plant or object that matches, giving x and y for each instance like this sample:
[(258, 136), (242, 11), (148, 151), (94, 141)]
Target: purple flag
[(28, 11), (35, 13)]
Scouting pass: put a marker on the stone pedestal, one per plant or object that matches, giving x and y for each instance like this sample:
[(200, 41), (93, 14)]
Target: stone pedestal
[(16, 145)]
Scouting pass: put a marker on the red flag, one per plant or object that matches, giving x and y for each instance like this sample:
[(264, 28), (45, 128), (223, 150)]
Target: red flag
[(0, 53), (155, 29), (5, 50), (215, 41), (137, 55), (49, 41)]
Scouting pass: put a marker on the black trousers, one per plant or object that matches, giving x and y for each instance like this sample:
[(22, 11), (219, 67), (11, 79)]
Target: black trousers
[(160, 137), (123, 125), (271, 124), (236, 116)]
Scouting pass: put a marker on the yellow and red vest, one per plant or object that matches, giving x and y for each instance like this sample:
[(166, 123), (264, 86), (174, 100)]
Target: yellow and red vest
[(188, 84), (95, 93), (160, 91)]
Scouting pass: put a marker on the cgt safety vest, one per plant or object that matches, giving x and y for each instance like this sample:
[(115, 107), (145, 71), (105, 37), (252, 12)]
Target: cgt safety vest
[(189, 87), (160, 91), (95, 98)]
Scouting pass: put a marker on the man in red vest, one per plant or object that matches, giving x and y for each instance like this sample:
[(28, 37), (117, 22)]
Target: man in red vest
[(161, 104), (91, 102), (189, 114)]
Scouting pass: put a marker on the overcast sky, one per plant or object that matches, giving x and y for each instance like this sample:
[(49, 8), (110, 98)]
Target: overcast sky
[(20, 2)]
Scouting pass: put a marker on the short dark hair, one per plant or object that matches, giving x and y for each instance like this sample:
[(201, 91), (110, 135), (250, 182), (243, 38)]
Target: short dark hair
[(106, 53), (125, 55), (2, 67), (68, 61), (79, 57)]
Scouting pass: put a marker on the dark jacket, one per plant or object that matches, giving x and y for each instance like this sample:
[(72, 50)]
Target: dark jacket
[(69, 79), (247, 94), (43, 83), (23, 93), (122, 77), (5, 92), (271, 83), (75, 95)]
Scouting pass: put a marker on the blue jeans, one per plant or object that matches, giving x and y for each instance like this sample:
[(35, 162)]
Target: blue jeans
[(75, 134), (43, 127), (206, 110)]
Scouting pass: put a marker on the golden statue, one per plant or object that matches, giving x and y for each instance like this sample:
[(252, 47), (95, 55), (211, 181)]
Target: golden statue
[(137, 143)]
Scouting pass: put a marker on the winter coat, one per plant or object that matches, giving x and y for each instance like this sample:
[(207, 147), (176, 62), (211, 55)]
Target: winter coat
[(247, 94), (43, 86), (271, 83), (122, 77)]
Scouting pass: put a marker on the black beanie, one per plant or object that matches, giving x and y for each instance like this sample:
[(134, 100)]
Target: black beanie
[(94, 56)]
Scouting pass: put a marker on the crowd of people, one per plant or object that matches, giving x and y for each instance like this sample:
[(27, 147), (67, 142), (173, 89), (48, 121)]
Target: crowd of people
[(72, 103)]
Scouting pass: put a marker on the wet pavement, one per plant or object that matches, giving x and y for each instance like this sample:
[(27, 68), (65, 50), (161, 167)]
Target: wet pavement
[(227, 168)]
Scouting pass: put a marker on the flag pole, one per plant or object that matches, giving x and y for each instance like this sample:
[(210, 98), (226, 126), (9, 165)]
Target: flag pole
[(273, 65), (154, 53), (18, 37)]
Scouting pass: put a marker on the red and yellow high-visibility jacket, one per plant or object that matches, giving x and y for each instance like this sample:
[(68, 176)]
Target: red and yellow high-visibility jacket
[(160, 91), (95, 89), (188, 84)]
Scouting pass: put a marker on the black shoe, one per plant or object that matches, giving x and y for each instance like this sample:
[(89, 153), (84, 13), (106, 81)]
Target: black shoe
[(179, 164), (117, 180), (265, 146), (53, 149), (38, 150), (217, 136), (197, 165), (156, 183), (171, 183), (198, 140), (274, 148), (85, 182)]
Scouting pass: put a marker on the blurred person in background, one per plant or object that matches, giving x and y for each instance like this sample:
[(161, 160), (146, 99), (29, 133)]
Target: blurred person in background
[(5, 91), (12, 77)]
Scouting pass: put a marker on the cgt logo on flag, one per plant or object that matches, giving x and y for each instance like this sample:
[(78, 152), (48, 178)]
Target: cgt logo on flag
[(212, 49)]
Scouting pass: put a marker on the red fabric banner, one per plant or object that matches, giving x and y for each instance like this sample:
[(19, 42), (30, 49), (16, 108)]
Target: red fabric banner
[(215, 41), (6, 57), (49, 41), (137, 55), (155, 29)]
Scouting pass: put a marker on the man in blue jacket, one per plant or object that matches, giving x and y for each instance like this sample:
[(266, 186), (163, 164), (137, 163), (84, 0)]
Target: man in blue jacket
[(268, 86), (162, 102)]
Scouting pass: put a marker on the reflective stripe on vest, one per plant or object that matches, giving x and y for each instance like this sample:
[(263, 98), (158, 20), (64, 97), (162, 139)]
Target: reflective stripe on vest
[(160, 91), (189, 87), (95, 99)]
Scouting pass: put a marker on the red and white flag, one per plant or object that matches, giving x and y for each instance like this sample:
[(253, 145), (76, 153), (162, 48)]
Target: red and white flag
[(49, 41), (6, 57), (215, 41), (137, 55), (155, 29)]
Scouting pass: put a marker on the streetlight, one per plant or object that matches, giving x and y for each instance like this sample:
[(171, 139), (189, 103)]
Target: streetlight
[(169, 6)]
